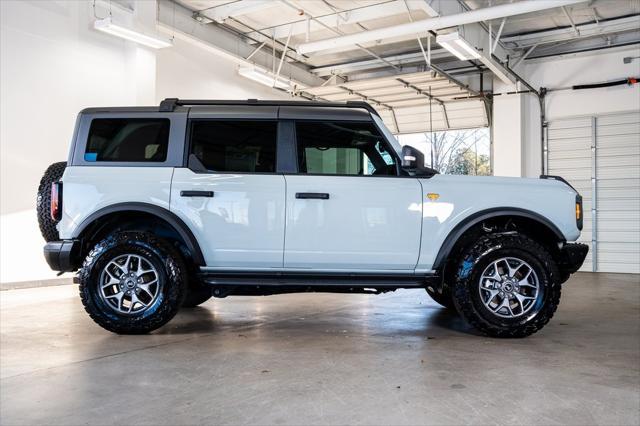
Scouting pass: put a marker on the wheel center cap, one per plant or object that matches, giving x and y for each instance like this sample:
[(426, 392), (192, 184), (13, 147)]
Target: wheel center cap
[(508, 286), (130, 283)]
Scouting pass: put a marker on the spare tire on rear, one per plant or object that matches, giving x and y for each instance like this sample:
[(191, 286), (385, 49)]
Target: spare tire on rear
[(43, 202)]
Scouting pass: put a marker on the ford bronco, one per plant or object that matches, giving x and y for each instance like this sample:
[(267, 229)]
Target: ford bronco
[(159, 208)]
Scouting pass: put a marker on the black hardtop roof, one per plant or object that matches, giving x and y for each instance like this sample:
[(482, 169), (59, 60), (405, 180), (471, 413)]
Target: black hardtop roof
[(175, 104), (169, 104)]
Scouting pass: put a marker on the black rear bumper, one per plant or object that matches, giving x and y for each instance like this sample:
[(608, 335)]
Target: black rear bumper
[(61, 255), (572, 256)]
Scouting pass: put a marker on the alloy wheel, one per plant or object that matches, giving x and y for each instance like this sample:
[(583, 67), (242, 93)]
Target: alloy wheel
[(509, 287), (129, 284)]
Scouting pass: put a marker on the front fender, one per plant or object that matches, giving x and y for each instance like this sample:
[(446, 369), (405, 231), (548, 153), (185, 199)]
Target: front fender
[(452, 204)]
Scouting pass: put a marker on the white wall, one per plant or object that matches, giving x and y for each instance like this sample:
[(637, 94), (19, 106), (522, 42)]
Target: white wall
[(53, 64), (190, 72), (559, 72), (508, 132), (573, 70)]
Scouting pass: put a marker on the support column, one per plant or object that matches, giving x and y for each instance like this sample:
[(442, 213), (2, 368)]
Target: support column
[(508, 135)]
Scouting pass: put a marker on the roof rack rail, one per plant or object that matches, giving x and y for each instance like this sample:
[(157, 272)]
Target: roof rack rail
[(170, 104)]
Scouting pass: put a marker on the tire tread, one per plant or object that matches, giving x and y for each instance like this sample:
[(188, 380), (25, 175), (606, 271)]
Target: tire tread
[(463, 301), (43, 201), (176, 278)]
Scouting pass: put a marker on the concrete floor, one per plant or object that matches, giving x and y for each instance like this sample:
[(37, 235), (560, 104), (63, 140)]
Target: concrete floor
[(323, 359)]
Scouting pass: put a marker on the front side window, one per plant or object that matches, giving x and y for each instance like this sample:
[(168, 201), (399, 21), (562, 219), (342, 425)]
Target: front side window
[(342, 148), (235, 146), (128, 140)]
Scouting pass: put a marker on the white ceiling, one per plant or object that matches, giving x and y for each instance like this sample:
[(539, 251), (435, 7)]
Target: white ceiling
[(412, 97), (581, 13), (391, 73)]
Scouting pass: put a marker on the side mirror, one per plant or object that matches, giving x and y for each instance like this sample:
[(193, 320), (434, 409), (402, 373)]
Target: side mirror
[(412, 159), (413, 162)]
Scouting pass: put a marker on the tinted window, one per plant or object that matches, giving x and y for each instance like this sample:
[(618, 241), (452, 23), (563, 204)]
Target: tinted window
[(127, 139), (235, 146), (342, 148)]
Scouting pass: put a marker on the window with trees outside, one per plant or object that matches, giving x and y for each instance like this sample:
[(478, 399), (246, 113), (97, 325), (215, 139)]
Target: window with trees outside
[(455, 152)]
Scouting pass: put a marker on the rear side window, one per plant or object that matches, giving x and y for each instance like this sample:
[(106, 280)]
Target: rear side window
[(235, 146), (128, 140)]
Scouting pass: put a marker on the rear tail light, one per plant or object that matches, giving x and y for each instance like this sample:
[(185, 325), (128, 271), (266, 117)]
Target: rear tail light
[(579, 212), (56, 201)]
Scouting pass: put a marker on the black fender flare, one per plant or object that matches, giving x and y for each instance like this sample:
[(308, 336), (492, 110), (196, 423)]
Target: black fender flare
[(482, 215), (171, 218)]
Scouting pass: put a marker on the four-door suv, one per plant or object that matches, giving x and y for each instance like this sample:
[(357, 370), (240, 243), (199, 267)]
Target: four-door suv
[(163, 207)]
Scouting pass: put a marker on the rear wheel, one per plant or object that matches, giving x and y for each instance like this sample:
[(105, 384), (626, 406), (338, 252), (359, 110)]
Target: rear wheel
[(43, 201), (507, 285), (132, 283)]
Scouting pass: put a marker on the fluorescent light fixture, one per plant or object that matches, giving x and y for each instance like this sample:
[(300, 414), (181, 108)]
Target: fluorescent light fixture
[(458, 46), (264, 77), (107, 26)]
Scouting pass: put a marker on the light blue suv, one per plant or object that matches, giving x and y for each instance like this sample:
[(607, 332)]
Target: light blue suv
[(163, 207)]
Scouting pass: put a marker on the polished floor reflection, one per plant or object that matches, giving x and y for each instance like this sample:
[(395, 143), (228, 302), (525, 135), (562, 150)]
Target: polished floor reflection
[(322, 359)]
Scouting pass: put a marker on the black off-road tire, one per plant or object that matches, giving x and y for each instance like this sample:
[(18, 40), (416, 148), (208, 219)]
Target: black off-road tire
[(487, 249), (162, 255), (197, 294), (444, 299), (43, 201)]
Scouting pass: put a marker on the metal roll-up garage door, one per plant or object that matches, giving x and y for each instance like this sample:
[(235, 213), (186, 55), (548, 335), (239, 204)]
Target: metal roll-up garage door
[(600, 156)]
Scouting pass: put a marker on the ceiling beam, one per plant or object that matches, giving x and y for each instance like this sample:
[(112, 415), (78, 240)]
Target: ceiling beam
[(357, 66), (611, 26), (236, 8), (433, 24), (573, 24), (628, 40), (524, 55), (176, 20), (347, 17), (498, 35)]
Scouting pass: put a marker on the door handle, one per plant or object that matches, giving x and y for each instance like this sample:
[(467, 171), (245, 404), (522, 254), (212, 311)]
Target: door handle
[(312, 195), (196, 193)]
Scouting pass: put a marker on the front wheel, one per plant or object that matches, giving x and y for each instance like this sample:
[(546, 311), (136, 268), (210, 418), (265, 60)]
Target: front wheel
[(507, 285), (132, 283)]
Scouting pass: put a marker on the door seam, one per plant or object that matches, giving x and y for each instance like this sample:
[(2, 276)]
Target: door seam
[(415, 267), (284, 237), (173, 170)]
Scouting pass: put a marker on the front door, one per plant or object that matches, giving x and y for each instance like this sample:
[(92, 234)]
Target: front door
[(347, 208), (230, 196)]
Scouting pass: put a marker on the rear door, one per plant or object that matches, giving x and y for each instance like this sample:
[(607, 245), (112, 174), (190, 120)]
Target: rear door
[(230, 194), (347, 208)]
